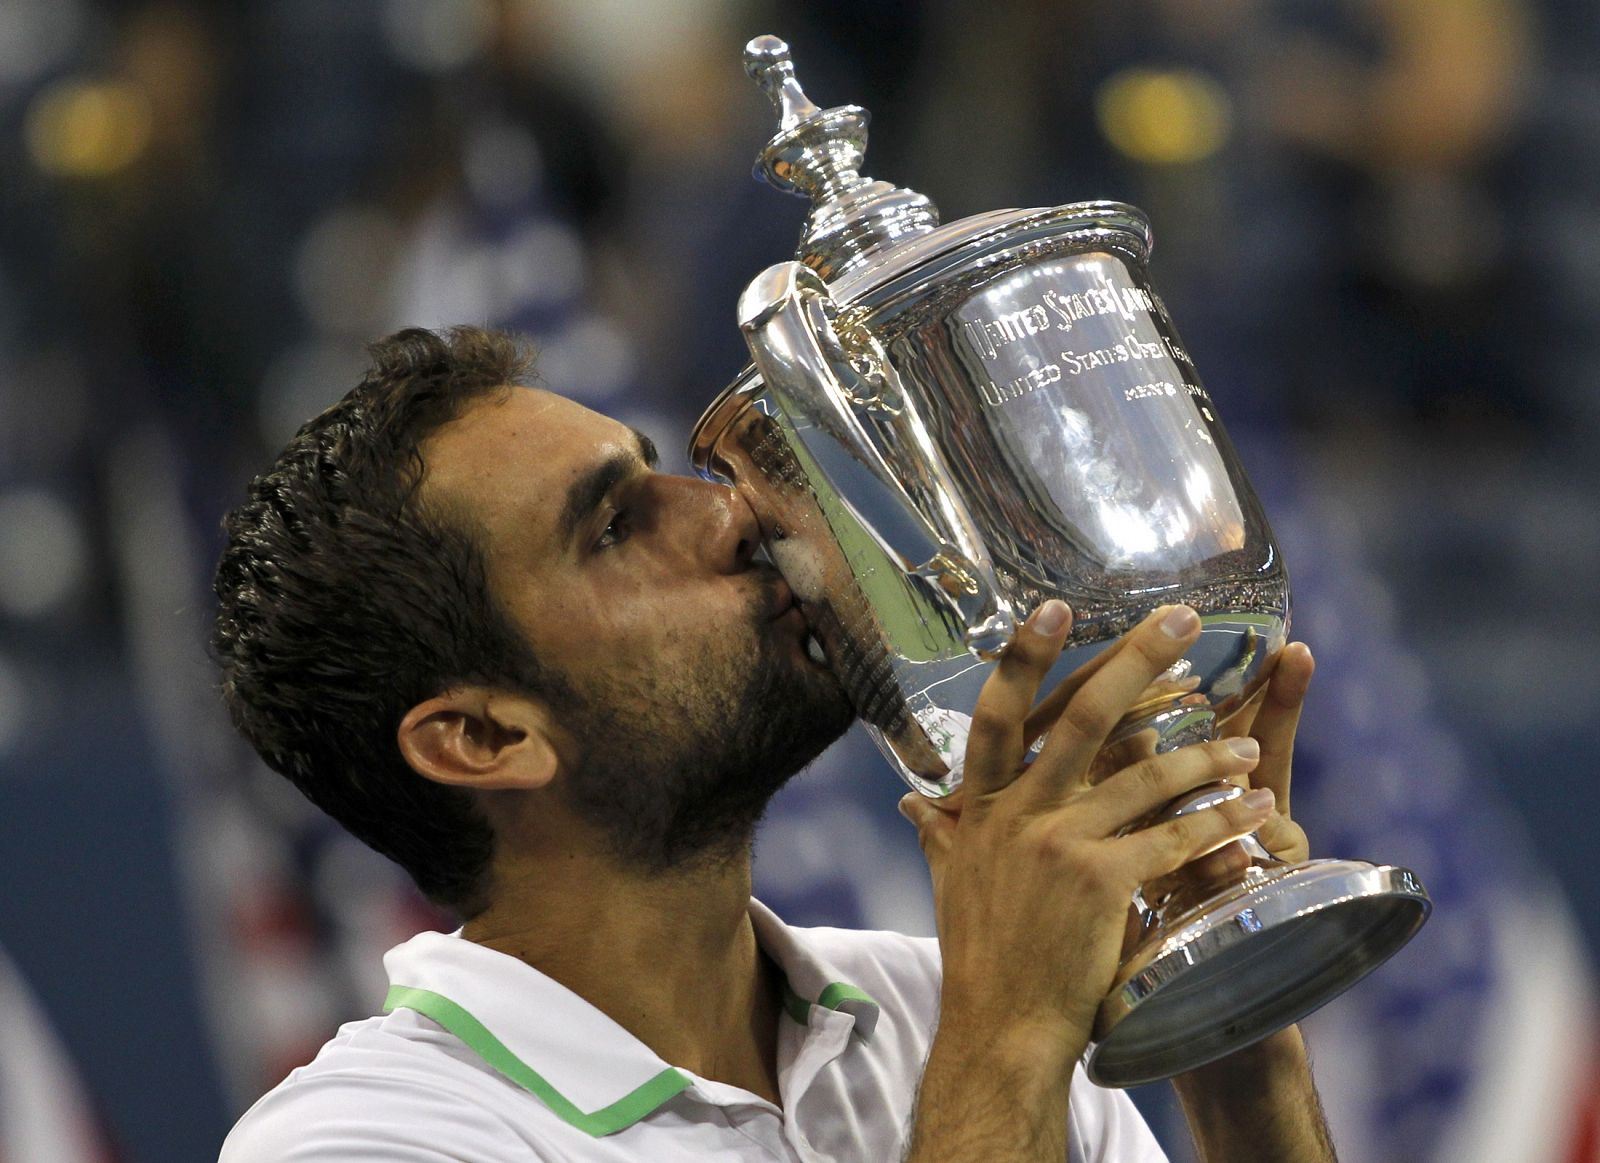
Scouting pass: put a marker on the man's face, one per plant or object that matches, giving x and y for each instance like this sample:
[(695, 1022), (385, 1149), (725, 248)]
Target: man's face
[(696, 698)]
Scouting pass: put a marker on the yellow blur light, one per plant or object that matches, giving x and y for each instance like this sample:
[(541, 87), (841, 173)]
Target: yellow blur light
[(1164, 117), (87, 129)]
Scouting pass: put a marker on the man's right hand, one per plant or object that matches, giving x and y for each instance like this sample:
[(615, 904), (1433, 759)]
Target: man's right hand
[(1033, 878)]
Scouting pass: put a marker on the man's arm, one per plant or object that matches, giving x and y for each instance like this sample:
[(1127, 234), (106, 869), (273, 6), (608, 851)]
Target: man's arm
[(1257, 1104)]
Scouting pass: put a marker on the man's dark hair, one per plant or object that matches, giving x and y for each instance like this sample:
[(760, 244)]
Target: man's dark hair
[(346, 600)]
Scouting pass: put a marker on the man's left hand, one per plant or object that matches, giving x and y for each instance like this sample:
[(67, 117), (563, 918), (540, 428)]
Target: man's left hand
[(1260, 1102)]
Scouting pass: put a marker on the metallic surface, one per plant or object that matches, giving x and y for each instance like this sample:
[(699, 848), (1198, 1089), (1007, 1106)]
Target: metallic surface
[(947, 425), (1009, 418), (817, 153), (1249, 962)]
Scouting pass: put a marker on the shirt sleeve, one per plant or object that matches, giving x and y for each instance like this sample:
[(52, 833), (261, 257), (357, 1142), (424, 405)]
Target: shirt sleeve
[(345, 1119), (1105, 1127)]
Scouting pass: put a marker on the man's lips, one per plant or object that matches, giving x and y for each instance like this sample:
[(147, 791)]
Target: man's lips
[(792, 612), (784, 606), (781, 599)]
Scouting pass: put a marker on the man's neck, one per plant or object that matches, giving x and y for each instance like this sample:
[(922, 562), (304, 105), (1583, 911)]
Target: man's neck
[(672, 959)]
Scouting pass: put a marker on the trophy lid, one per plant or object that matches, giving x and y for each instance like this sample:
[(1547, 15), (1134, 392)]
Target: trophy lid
[(881, 248), (817, 154)]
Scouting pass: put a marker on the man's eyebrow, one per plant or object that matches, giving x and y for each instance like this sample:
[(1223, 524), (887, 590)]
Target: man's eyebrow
[(647, 449), (586, 494)]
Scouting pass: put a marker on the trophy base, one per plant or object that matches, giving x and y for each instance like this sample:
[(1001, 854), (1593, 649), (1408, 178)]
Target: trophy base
[(1250, 961)]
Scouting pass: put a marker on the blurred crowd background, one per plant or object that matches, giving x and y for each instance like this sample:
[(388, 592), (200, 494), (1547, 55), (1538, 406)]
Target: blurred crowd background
[(1378, 228)]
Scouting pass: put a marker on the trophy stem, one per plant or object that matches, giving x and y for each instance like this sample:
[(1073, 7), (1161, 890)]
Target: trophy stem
[(1181, 720)]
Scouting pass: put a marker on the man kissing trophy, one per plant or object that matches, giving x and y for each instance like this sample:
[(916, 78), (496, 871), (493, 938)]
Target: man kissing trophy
[(947, 425)]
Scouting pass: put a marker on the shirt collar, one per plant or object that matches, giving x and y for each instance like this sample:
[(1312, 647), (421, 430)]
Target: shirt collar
[(540, 1035), (809, 980)]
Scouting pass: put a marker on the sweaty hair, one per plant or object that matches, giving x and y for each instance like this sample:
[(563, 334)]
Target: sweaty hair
[(346, 600)]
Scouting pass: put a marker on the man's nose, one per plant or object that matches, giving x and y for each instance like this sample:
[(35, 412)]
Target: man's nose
[(725, 531)]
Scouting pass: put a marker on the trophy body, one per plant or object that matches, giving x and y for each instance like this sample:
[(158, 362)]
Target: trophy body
[(947, 425)]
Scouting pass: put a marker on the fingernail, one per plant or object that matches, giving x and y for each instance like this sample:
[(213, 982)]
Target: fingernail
[(1051, 617), (1244, 747), (1259, 800), (904, 807), (1179, 622)]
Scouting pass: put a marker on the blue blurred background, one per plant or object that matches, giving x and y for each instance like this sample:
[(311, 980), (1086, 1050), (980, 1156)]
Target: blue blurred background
[(1378, 227)]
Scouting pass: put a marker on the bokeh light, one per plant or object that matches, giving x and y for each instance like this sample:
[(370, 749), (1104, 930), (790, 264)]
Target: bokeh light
[(437, 36), (501, 163), (591, 360), (1164, 117), (88, 129), (341, 270), (541, 263), (44, 551), (35, 35), (303, 381)]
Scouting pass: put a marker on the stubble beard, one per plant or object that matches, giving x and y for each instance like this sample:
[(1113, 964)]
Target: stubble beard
[(676, 777)]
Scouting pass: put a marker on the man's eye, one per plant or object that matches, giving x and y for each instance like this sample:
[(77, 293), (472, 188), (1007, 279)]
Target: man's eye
[(615, 532)]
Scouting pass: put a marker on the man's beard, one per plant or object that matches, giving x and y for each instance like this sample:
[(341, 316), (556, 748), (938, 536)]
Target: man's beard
[(679, 775)]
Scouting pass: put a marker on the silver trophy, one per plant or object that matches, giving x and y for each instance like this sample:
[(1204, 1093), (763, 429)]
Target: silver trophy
[(946, 425)]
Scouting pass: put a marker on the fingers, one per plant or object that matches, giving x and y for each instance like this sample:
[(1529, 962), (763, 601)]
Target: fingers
[(1278, 719), (1118, 803), (995, 740), (1133, 793), (936, 829), (1098, 706), (1163, 849), (1284, 838), (1043, 716), (1219, 867)]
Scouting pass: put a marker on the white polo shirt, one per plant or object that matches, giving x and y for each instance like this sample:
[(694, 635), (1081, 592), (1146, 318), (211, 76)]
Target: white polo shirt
[(481, 1058)]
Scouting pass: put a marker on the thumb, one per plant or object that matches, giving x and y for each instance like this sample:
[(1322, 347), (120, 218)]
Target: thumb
[(935, 826)]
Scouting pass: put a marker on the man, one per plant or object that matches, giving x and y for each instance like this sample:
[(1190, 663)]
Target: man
[(471, 621)]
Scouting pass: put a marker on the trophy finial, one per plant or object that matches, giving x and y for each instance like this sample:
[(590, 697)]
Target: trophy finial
[(817, 153), (767, 60)]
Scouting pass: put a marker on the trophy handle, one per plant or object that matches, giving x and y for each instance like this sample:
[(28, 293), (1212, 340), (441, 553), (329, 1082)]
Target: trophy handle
[(835, 377)]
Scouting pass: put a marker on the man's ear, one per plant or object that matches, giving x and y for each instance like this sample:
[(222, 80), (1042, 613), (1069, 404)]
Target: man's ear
[(477, 737)]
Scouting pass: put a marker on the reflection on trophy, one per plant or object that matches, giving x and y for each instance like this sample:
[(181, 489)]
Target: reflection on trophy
[(946, 425)]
